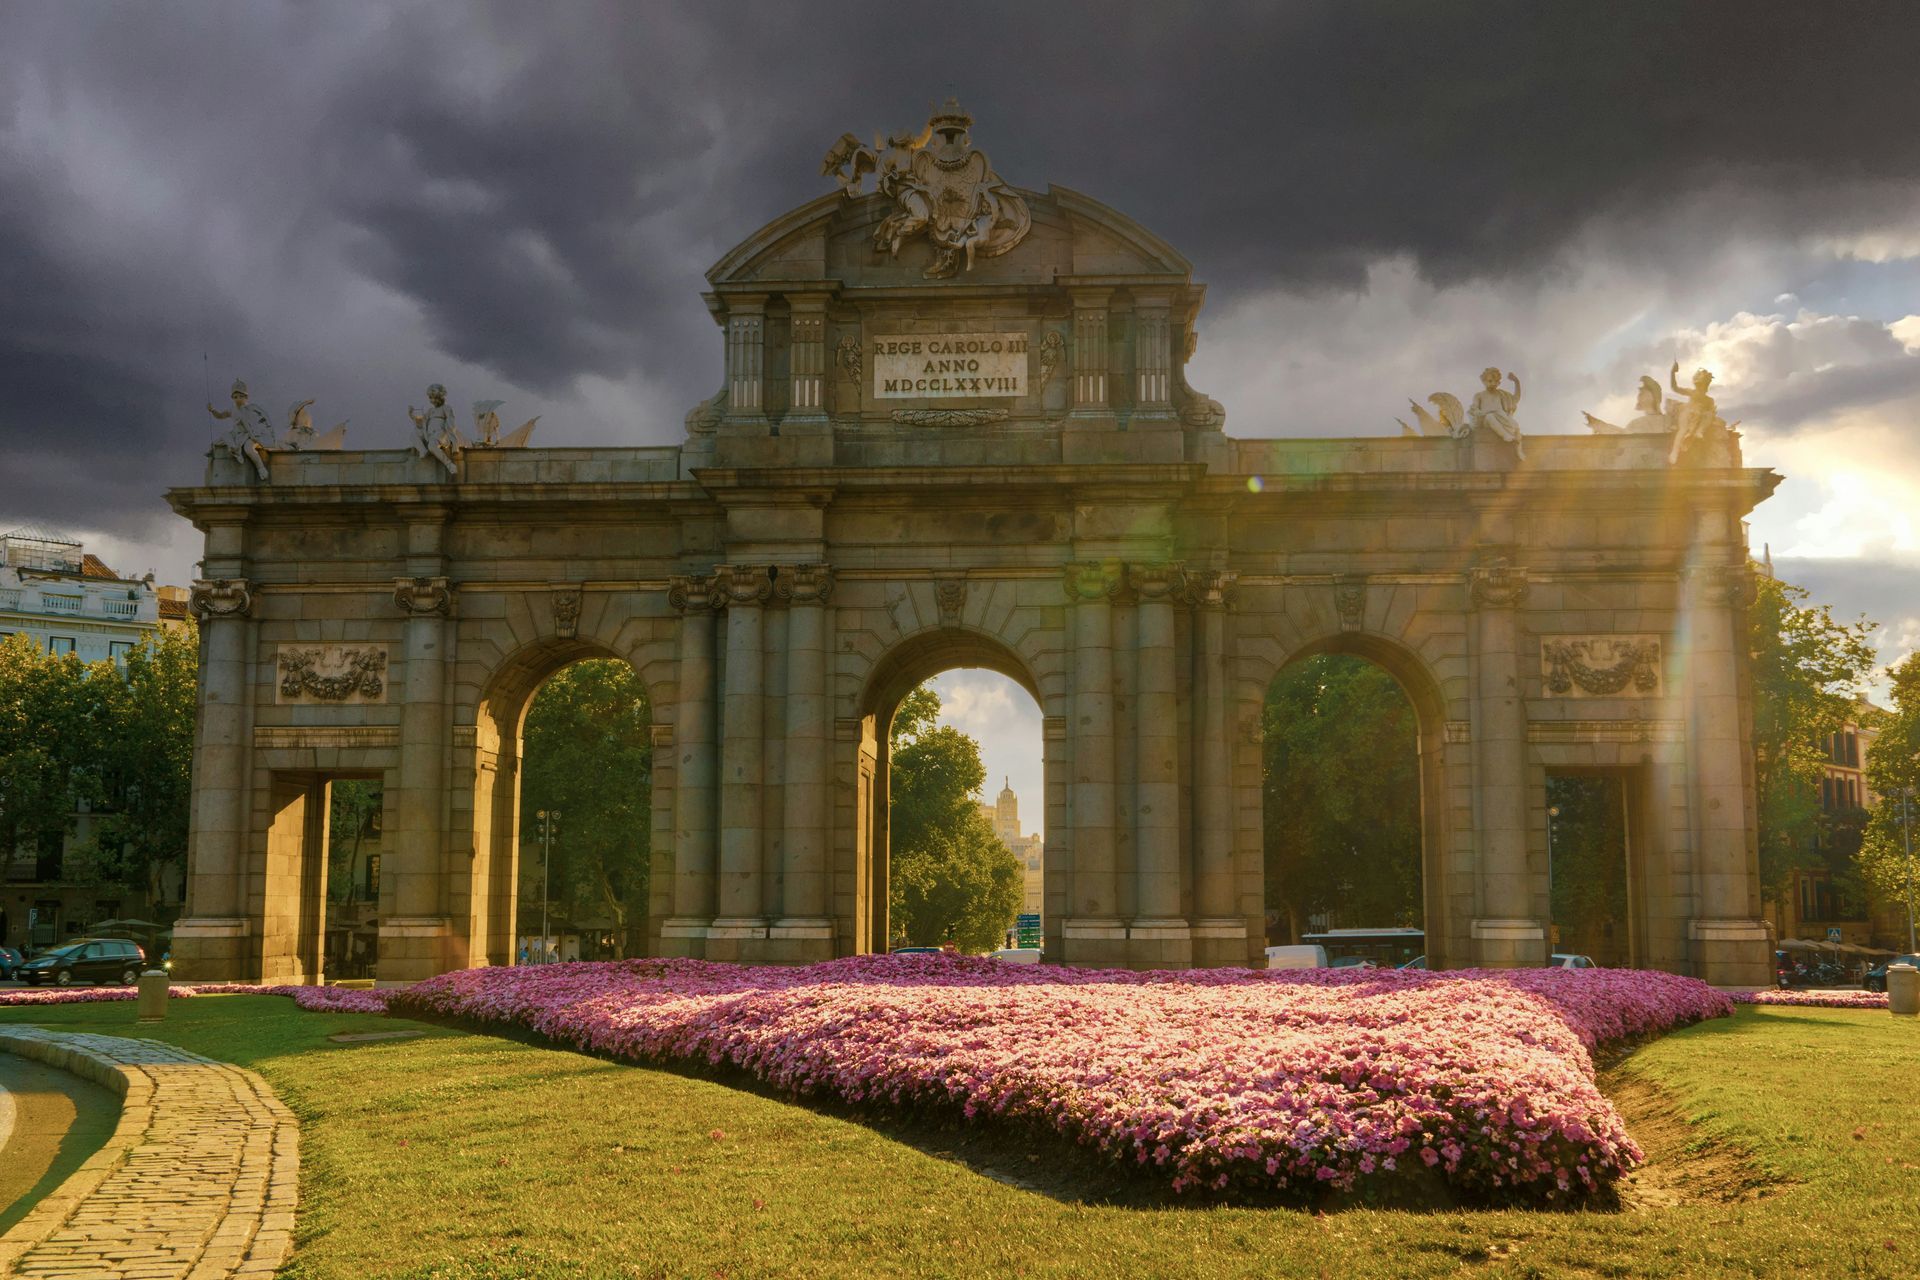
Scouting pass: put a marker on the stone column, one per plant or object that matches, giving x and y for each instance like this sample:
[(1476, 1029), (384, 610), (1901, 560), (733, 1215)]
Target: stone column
[(1152, 357), (745, 590), (1506, 934), (211, 942), (413, 922), (747, 361), (693, 788), (1729, 944), (1092, 930), (1159, 934), (1220, 931), (807, 401), (804, 931), (1090, 393)]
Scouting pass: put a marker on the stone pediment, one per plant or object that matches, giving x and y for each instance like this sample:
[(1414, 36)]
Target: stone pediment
[(831, 240)]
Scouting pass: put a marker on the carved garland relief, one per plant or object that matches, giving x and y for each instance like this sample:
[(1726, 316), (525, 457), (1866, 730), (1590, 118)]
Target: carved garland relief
[(1601, 666), (336, 673)]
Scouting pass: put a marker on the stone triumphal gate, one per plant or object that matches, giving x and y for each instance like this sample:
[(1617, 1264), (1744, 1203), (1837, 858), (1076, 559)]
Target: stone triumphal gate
[(956, 430)]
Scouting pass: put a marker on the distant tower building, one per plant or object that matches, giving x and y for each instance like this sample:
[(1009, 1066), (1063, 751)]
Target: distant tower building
[(1006, 815)]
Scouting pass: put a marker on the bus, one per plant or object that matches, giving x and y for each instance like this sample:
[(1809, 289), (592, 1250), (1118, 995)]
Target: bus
[(1385, 948)]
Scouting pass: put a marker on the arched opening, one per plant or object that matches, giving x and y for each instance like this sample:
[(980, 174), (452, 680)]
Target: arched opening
[(1590, 866), (942, 856), (1352, 738), (562, 815)]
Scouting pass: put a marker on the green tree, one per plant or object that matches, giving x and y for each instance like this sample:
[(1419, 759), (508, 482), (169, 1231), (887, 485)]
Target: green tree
[(1342, 796), (1889, 856), (352, 804), (142, 746), (48, 728), (950, 878), (1806, 670), (588, 753)]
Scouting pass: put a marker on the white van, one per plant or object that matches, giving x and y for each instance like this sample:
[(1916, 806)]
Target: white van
[(1312, 956), (1018, 955)]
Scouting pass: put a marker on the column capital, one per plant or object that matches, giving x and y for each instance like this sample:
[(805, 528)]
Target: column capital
[(741, 584), (804, 583), (1157, 581), (1497, 583), (691, 593), (211, 598), (1722, 585), (422, 597), (1210, 588), (1092, 580)]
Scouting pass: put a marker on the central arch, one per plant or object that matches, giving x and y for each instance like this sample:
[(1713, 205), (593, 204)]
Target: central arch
[(892, 678)]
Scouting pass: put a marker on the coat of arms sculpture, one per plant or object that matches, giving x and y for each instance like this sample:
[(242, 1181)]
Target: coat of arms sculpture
[(939, 185)]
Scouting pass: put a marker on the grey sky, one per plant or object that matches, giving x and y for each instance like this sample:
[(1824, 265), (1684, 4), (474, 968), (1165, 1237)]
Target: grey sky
[(520, 200)]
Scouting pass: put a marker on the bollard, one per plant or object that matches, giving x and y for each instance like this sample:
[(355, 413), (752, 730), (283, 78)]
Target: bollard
[(1903, 989), (153, 995)]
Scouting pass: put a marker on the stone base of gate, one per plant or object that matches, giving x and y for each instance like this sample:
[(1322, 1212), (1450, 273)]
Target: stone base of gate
[(684, 939), (1218, 943), (1159, 944), (214, 949), (1731, 953), (1509, 944), (737, 940), (799, 941), (414, 948), (1094, 944)]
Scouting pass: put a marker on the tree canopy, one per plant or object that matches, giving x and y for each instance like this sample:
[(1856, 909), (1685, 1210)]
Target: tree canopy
[(1889, 857), (1342, 796), (950, 879), (1807, 670), (114, 738), (588, 755)]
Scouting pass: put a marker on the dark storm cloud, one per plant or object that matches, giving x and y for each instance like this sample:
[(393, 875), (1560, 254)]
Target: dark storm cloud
[(342, 201)]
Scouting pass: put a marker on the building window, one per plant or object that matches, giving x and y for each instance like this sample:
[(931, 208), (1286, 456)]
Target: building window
[(1853, 750), (118, 649), (59, 644)]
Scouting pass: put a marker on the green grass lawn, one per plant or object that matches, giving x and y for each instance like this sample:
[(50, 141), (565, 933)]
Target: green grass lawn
[(1786, 1142)]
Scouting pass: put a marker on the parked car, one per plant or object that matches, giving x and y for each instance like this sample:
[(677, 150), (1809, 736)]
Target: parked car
[(1418, 962), (89, 960), (10, 961), (1566, 960), (916, 951), (1352, 962), (1876, 979)]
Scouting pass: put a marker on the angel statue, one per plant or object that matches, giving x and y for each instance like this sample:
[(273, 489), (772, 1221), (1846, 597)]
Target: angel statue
[(1696, 417), (849, 150), (251, 433), (486, 426), (434, 434), (1452, 419), (1650, 415), (300, 434)]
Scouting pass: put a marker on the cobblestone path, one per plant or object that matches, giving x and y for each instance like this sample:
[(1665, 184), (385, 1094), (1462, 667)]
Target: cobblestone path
[(198, 1181)]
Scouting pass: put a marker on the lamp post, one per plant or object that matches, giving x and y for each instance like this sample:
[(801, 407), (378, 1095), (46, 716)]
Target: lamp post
[(547, 819), (1553, 811)]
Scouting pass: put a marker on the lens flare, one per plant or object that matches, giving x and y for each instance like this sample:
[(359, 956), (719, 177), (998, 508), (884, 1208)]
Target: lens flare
[(1255, 484)]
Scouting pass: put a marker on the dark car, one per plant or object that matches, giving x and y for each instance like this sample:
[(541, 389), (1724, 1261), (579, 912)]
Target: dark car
[(1876, 979), (89, 960)]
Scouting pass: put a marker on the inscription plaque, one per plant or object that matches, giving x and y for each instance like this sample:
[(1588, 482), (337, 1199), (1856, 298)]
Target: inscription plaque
[(948, 366)]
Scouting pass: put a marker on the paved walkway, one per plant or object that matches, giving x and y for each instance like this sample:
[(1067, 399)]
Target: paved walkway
[(198, 1181)]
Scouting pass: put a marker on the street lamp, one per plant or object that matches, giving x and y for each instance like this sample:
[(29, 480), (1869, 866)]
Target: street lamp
[(547, 819), (1553, 811)]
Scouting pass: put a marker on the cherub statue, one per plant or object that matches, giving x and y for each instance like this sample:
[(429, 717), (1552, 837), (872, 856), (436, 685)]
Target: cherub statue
[(434, 434), (1493, 409), (300, 434), (486, 425), (849, 150), (1650, 415), (1695, 417), (251, 433)]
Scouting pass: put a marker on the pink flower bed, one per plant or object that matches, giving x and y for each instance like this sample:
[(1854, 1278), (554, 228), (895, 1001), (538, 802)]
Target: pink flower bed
[(1818, 999), (1219, 1079), (315, 999)]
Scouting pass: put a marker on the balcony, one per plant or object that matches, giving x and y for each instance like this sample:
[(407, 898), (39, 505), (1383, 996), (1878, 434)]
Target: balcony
[(60, 604), (9, 599), (128, 609)]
